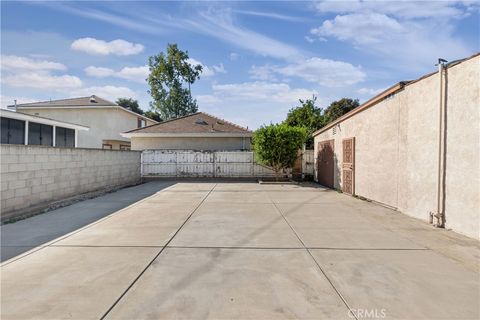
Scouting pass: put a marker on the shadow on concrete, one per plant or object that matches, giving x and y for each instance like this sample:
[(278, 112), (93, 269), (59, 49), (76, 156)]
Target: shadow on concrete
[(29, 233)]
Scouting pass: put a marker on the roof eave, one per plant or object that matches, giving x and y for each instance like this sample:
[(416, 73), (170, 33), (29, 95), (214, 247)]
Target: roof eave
[(32, 118), (187, 135), (87, 107)]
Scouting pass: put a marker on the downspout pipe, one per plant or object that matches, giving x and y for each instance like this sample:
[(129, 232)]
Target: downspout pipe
[(440, 210)]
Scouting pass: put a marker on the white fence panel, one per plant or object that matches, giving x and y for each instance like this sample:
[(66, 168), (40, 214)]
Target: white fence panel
[(234, 170), (186, 163), (234, 156), (194, 170), (194, 157), (148, 156), (164, 157)]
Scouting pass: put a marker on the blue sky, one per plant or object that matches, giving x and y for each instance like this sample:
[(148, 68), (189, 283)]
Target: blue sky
[(259, 58)]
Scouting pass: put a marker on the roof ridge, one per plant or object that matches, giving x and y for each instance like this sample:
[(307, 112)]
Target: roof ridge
[(187, 124), (165, 121), (43, 101), (65, 99), (226, 121)]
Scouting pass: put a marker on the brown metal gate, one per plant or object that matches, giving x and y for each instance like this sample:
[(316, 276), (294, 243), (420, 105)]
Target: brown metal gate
[(325, 163), (348, 166)]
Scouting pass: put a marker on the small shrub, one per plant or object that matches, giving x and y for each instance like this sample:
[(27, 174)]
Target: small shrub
[(277, 145)]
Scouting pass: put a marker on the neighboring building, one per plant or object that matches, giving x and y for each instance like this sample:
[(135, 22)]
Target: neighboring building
[(21, 128), (105, 119), (414, 147), (198, 131)]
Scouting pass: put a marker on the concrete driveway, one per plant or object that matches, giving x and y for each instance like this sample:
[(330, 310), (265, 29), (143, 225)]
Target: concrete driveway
[(247, 251)]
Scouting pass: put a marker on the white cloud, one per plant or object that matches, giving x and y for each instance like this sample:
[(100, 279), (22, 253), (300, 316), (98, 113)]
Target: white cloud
[(100, 47), (309, 39), (234, 56), (325, 72), (99, 72), (261, 91), (359, 28), (263, 73), (42, 81), (403, 9), (219, 68), (219, 24), (406, 35), (135, 23), (11, 62), (252, 103), (206, 70), (271, 15), (215, 22), (137, 74), (111, 93)]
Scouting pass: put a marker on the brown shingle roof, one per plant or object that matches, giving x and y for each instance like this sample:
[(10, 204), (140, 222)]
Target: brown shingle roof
[(199, 122), (83, 101)]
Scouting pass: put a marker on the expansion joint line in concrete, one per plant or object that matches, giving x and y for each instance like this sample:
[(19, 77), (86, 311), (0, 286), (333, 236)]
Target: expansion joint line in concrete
[(315, 261), (299, 248), (65, 236), (156, 256)]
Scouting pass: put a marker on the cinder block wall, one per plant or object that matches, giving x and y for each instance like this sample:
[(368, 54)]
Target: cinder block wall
[(36, 175)]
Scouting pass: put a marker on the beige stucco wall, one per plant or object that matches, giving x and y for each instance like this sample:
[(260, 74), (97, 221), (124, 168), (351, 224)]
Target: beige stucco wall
[(33, 175), (397, 147), (463, 148), (105, 124), (191, 143)]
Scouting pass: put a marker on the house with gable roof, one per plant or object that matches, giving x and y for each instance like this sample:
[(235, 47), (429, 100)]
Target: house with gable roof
[(197, 131)]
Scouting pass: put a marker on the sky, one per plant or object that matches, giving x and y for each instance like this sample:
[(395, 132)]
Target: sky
[(259, 57)]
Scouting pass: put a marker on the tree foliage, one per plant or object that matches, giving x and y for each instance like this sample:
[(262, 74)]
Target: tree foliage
[(338, 108), (130, 104), (312, 118), (152, 114), (306, 115), (171, 75), (277, 145)]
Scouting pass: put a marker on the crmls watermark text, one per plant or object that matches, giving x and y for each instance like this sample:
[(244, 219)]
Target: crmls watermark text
[(367, 313)]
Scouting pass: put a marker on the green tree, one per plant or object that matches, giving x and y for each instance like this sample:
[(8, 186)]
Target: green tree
[(277, 145), (171, 75), (306, 115), (152, 114), (130, 104), (338, 108)]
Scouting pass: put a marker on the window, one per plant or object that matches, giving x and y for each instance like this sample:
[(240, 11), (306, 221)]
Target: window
[(141, 123), (64, 137), (124, 147), (13, 131), (107, 146), (40, 134)]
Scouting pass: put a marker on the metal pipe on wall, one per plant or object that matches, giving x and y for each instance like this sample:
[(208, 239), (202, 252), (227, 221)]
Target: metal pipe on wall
[(440, 210)]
